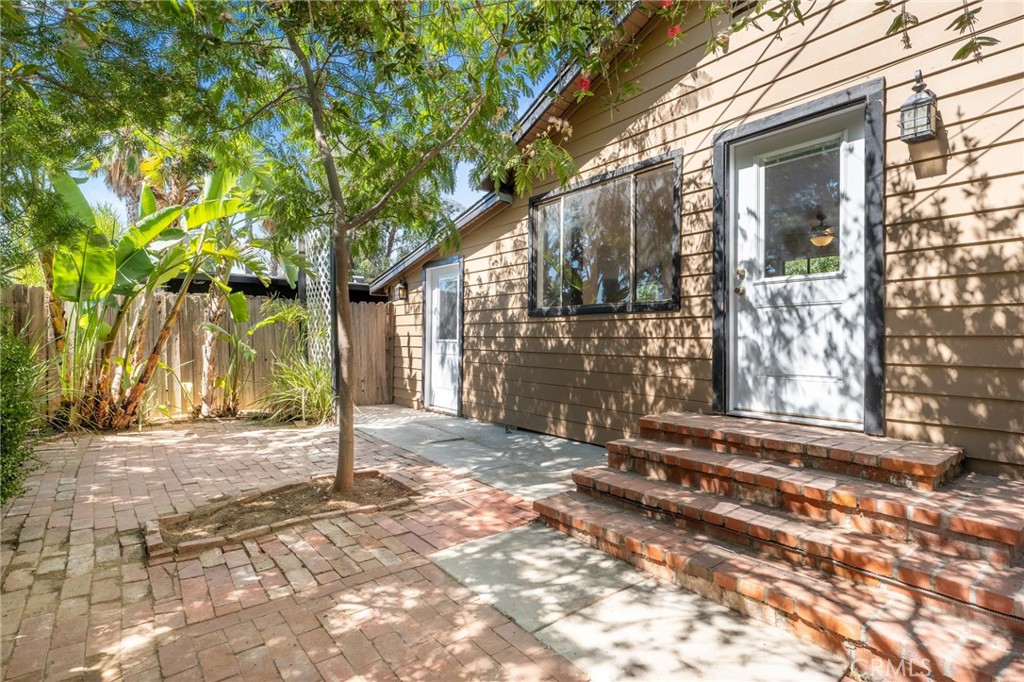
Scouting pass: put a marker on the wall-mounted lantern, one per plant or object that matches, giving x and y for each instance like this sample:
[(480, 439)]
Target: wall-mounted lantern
[(401, 290), (918, 114)]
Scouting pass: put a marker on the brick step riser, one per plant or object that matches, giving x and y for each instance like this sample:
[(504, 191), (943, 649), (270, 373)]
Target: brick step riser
[(709, 585), (798, 457), (864, 569), (884, 525)]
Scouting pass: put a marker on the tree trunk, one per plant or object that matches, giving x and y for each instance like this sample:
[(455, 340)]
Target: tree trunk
[(214, 313), (344, 400), (344, 479), (101, 394), (58, 321), (131, 404), (59, 327)]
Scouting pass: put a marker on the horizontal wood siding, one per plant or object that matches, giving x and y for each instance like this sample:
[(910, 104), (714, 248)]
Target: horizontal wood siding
[(954, 250), (407, 343)]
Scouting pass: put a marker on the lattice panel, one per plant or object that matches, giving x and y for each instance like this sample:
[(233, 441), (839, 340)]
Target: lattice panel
[(318, 296)]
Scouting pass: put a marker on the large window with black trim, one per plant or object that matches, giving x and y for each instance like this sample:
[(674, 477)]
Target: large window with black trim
[(608, 245)]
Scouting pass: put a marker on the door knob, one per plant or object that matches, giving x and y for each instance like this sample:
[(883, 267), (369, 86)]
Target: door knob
[(740, 291), (741, 273)]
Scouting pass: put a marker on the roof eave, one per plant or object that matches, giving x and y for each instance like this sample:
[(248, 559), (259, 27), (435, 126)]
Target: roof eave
[(466, 218), (530, 124)]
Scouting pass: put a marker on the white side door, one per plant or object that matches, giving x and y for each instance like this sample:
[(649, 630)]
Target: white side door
[(796, 305), (442, 360)]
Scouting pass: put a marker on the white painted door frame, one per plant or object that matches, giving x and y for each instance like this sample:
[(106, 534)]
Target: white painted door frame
[(796, 339), (442, 336)]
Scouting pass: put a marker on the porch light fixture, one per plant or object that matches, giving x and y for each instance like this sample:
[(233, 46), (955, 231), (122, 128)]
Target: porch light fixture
[(401, 290), (822, 234), (918, 113)]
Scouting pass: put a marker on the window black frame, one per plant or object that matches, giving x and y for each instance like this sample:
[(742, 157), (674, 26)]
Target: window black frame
[(673, 303)]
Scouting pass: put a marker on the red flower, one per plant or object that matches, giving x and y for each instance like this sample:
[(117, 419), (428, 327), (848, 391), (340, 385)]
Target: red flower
[(665, 4), (674, 31), (583, 84)]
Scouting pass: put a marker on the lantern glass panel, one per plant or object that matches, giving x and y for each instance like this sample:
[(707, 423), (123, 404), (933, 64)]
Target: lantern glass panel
[(917, 121)]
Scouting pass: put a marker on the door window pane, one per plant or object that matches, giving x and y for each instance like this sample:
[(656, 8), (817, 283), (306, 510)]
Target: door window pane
[(801, 202), (655, 225), (447, 309)]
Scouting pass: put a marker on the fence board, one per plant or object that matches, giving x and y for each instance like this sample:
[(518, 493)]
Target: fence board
[(369, 336), (372, 343)]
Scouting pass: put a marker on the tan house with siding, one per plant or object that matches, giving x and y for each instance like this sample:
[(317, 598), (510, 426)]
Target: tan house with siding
[(940, 294), (793, 329)]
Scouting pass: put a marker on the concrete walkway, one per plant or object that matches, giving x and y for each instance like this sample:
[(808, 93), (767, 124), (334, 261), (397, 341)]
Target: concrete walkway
[(527, 464), (607, 618)]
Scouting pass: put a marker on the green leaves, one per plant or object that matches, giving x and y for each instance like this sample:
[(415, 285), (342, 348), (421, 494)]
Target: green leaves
[(87, 271), (67, 188), (973, 47), (133, 268), (153, 225), (901, 22), (219, 186), (208, 211), (147, 202), (238, 306), (966, 22)]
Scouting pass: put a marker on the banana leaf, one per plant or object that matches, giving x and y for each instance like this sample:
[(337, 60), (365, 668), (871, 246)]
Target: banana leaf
[(208, 211), (86, 270), (239, 307), (68, 189)]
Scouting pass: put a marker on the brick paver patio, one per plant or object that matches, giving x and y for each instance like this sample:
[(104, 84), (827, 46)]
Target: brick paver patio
[(345, 598)]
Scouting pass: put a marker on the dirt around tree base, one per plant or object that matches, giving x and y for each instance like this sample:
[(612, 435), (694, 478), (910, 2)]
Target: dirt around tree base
[(303, 499)]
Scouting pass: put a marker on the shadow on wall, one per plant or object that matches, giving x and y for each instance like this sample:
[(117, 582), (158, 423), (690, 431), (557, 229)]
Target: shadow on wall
[(954, 290), (590, 377)]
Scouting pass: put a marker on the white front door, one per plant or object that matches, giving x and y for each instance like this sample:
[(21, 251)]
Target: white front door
[(796, 275), (442, 353)]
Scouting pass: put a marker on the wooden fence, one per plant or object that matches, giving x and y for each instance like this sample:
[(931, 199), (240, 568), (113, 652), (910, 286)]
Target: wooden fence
[(177, 390)]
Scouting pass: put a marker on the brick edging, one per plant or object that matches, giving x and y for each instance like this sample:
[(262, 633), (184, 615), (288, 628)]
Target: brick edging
[(159, 552)]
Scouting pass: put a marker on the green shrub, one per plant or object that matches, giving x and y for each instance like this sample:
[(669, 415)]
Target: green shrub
[(300, 389), (20, 412)]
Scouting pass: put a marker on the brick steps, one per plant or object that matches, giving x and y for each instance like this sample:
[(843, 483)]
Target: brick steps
[(885, 460), (883, 631), (960, 521), (847, 552)]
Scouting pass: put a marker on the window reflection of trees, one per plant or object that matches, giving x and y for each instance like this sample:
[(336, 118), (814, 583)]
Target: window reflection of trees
[(596, 229), (584, 248), (654, 231), (799, 187)]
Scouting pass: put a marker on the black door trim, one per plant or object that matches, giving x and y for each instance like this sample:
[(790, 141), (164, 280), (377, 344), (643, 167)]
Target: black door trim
[(871, 96)]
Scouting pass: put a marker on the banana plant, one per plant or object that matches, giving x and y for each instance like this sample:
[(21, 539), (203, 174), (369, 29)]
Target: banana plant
[(240, 354), (233, 246), (102, 278)]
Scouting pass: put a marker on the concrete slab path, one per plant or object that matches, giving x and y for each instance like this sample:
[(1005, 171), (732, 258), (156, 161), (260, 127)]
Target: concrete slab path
[(530, 465), (606, 617), (615, 623)]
